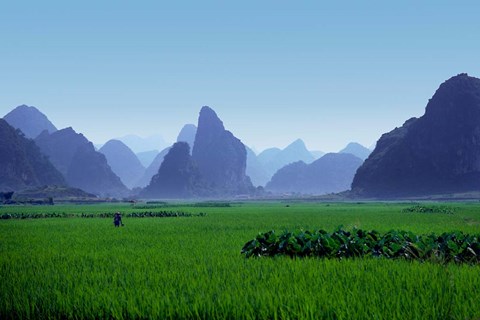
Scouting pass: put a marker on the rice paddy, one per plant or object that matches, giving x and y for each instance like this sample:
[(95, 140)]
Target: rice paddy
[(190, 266)]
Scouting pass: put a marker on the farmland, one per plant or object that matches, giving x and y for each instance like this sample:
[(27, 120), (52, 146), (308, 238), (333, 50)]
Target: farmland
[(190, 265)]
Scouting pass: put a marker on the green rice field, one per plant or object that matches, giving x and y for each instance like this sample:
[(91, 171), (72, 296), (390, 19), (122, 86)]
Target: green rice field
[(190, 266)]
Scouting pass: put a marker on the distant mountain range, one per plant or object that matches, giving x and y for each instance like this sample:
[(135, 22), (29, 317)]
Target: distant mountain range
[(331, 173), (437, 153), (273, 159), (263, 166)]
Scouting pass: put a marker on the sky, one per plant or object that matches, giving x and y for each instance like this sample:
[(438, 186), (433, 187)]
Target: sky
[(274, 71)]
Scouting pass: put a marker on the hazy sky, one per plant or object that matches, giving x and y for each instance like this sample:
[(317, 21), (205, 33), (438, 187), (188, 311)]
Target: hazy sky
[(327, 72)]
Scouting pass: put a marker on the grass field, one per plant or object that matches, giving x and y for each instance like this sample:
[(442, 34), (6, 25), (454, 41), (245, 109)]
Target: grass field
[(191, 267)]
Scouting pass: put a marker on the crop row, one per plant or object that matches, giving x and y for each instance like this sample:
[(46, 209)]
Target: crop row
[(456, 246), (208, 204), (429, 209), (144, 214)]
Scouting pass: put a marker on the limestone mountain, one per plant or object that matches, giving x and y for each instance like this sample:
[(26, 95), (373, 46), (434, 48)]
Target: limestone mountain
[(274, 159), (435, 154), (187, 134), (220, 156), (357, 150), (83, 167), (22, 165), (333, 172), (29, 120), (177, 177), (123, 161)]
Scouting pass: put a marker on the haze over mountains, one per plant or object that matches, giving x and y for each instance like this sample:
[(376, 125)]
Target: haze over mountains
[(141, 144), (146, 157), (438, 153), (152, 169), (187, 134)]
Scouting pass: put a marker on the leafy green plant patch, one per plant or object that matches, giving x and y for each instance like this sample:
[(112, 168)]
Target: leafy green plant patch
[(447, 247)]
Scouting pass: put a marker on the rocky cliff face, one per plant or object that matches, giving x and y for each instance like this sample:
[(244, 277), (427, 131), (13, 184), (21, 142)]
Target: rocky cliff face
[(22, 165), (178, 176), (123, 162), (29, 120), (333, 172), (220, 156), (83, 167), (437, 153)]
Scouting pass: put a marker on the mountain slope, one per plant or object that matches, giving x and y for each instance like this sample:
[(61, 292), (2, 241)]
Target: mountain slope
[(220, 156), (436, 153), (83, 167), (22, 164), (177, 177), (123, 161), (152, 169), (29, 120)]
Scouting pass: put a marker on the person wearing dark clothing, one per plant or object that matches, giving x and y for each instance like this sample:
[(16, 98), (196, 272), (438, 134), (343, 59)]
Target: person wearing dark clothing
[(117, 219)]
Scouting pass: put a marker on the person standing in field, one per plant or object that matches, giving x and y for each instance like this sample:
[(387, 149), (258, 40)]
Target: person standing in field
[(117, 219)]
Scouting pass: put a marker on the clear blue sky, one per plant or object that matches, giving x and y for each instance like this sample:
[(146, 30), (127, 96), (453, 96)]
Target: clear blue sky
[(327, 72)]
